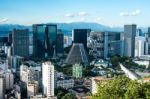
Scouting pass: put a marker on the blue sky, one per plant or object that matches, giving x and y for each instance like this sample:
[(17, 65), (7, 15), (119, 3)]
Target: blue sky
[(106, 12)]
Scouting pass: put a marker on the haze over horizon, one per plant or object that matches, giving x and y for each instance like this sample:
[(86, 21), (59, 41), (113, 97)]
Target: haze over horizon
[(114, 13)]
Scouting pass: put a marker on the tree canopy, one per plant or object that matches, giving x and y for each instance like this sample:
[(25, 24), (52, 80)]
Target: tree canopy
[(123, 88)]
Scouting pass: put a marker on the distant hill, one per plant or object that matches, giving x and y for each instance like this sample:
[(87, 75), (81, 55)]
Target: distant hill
[(68, 27), (63, 26), (10, 27)]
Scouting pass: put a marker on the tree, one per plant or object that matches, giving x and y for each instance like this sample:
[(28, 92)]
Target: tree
[(113, 89), (69, 96), (60, 92), (134, 90), (123, 88)]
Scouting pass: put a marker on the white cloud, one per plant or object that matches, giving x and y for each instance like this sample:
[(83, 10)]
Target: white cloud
[(3, 20), (98, 20), (83, 19), (70, 15), (134, 13), (79, 14), (83, 14), (124, 14)]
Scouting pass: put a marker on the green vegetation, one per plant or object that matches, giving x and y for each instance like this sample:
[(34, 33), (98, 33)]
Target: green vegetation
[(69, 96), (64, 94), (87, 71), (123, 88), (127, 61), (116, 59), (67, 70)]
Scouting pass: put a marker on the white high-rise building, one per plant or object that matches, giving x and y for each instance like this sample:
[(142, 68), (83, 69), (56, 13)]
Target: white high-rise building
[(48, 79), (139, 46)]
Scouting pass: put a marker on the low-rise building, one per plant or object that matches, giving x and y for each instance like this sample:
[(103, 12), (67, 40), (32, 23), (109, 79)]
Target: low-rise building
[(77, 71), (103, 63), (65, 82), (32, 88), (9, 80), (1, 86)]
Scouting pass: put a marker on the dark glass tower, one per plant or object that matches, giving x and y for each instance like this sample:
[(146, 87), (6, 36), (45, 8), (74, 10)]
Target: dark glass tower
[(60, 42), (44, 37), (38, 40), (80, 36), (52, 35), (20, 41)]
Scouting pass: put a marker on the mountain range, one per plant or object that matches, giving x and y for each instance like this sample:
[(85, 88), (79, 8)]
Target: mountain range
[(68, 27)]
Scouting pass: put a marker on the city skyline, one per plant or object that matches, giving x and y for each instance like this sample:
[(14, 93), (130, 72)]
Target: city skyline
[(111, 13)]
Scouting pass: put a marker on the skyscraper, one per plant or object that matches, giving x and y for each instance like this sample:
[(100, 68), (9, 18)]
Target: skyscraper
[(51, 37), (60, 42), (44, 40), (20, 41), (148, 31), (48, 79), (147, 44), (80, 36), (129, 40)]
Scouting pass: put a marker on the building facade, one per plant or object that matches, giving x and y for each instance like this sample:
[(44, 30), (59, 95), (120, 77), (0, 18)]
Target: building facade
[(65, 83), (77, 71), (9, 78), (80, 36), (1, 86), (60, 43), (105, 44), (32, 88), (48, 79), (14, 62), (44, 40), (20, 42), (129, 40)]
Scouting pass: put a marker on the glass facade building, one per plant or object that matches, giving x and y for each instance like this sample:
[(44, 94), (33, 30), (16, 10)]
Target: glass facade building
[(44, 40)]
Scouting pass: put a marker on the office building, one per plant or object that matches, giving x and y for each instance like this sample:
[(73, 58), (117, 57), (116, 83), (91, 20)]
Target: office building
[(48, 79), (80, 36), (10, 37), (20, 41), (147, 43), (1, 87), (9, 80), (148, 31), (139, 46), (105, 44), (77, 71), (3, 40), (77, 55), (29, 73), (129, 40), (32, 88), (67, 41), (60, 43), (14, 62), (65, 82), (44, 40)]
